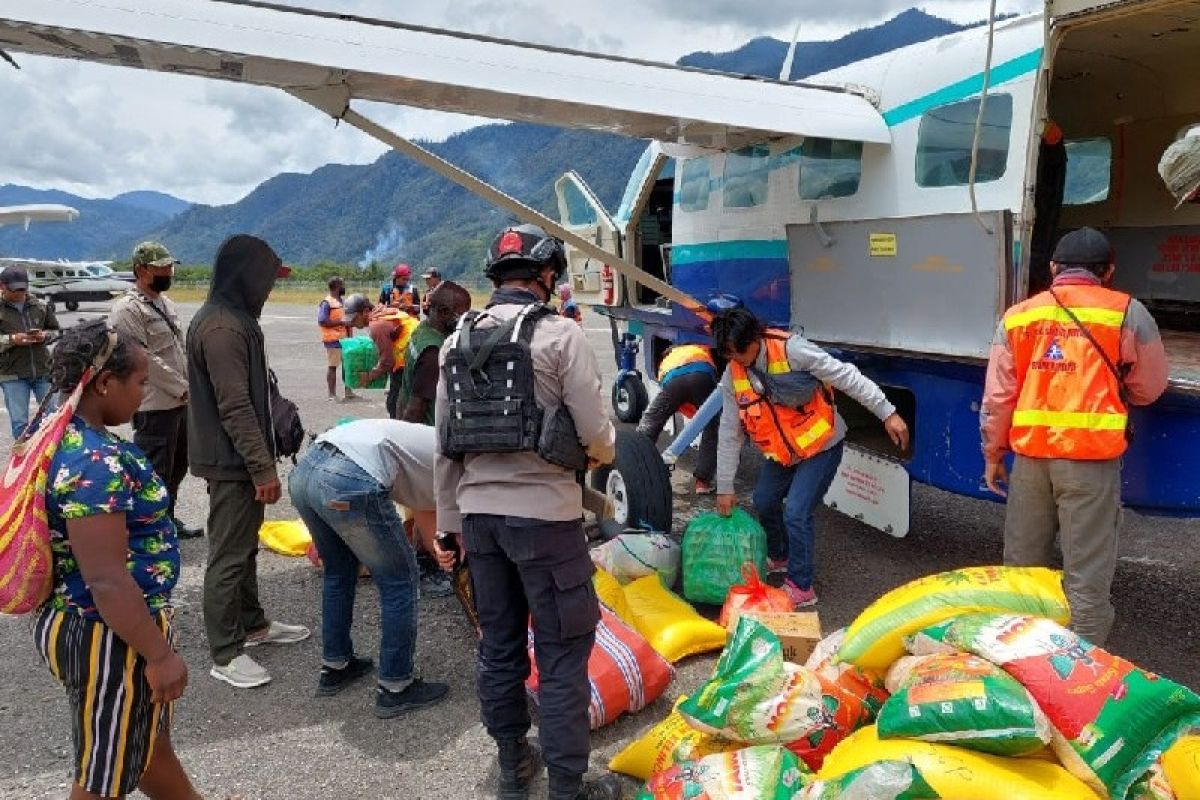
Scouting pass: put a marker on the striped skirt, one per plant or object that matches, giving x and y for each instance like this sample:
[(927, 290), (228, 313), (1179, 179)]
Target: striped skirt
[(114, 725)]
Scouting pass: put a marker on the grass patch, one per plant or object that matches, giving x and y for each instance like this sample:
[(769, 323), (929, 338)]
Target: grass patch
[(298, 296)]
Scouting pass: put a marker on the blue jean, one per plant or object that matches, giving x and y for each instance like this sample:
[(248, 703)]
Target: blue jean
[(353, 521), (791, 532), (16, 400)]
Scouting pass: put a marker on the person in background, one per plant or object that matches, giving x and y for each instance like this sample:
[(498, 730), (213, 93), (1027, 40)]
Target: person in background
[(687, 375), (233, 449), (106, 631), (390, 329), (568, 307), (401, 293), (27, 326), (1065, 366), (520, 517), (1179, 168), (148, 316), (331, 319), (419, 378), (776, 389), (433, 279), (344, 488)]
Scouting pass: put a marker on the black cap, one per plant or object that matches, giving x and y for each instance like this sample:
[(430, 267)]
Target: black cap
[(1084, 246), (432, 272), (14, 278)]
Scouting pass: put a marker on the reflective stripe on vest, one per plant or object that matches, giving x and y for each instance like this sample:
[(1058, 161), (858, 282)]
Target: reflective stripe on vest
[(1068, 401), (336, 314), (685, 355), (782, 433), (401, 297)]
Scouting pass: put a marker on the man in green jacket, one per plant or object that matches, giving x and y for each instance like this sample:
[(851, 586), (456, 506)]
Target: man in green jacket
[(418, 382), (26, 328), (233, 449)]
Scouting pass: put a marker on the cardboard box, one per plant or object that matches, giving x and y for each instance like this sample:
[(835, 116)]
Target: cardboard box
[(798, 632)]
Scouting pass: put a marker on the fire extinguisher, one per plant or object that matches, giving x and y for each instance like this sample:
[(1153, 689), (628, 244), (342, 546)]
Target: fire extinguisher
[(608, 287)]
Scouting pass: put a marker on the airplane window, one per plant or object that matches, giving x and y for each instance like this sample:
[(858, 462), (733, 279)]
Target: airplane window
[(746, 173), (579, 210), (694, 185), (829, 168), (944, 142), (1089, 162)]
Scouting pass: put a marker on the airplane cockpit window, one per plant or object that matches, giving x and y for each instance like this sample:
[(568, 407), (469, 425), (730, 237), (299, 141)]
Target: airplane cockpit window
[(694, 185), (579, 210), (1089, 162), (945, 136), (745, 181), (829, 168)]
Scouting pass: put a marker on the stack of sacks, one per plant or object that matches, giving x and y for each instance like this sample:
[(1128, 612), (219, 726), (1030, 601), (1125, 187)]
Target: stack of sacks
[(755, 697), (766, 772), (625, 674), (669, 624), (635, 555), (865, 684)]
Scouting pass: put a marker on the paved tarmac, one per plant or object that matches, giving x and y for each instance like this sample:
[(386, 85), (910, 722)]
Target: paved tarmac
[(280, 741)]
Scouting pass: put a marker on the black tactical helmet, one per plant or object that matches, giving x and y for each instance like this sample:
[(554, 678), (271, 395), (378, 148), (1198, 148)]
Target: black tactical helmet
[(522, 251)]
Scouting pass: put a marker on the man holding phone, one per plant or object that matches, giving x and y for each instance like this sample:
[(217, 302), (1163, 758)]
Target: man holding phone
[(27, 326)]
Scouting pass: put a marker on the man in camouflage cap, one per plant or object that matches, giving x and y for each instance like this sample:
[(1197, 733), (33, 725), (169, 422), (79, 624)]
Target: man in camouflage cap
[(148, 316), (1180, 168)]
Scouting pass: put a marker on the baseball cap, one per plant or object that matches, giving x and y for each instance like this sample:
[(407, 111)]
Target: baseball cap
[(14, 278), (356, 303), (1180, 168), (432, 272), (1083, 246), (152, 254)]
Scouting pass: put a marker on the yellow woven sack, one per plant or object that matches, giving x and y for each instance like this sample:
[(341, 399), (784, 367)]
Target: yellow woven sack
[(1182, 765), (286, 537), (672, 627), (876, 638), (658, 748), (612, 594), (956, 773)]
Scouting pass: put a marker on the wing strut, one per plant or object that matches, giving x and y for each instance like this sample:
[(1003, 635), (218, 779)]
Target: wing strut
[(337, 105)]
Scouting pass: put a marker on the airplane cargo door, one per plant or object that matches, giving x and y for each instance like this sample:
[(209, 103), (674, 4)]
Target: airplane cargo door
[(583, 214), (932, 285)]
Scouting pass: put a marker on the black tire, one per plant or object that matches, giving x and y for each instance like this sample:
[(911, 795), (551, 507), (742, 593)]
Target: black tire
[(629, 397), (638, 482), (72, 305)]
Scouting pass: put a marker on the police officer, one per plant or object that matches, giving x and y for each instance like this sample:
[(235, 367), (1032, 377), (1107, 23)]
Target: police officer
[(520, 514)]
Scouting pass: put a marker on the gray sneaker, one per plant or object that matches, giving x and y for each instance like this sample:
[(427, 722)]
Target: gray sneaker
[(242, 673), (278, 633)]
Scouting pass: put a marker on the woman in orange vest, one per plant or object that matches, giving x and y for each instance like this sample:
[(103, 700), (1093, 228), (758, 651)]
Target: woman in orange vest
[(687, 375), (778, 390), (331, 320), (1065, 366)]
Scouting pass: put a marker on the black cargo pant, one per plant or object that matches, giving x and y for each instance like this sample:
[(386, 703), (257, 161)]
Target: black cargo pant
[(694, 388), (231, 605), (524, 567), (162, 436), (393, 396)]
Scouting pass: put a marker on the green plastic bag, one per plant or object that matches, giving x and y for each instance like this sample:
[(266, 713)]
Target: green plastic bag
[(359, 356), (714, 550)]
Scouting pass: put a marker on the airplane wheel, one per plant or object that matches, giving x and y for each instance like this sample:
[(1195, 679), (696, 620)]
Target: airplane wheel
[(638, 483), (629, 397), (72, 305)]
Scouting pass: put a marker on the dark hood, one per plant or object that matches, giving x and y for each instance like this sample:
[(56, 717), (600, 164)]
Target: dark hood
[(244, 274)]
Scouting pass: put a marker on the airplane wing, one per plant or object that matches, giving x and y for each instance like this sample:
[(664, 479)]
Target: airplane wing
[(45, 212), (306, 51)]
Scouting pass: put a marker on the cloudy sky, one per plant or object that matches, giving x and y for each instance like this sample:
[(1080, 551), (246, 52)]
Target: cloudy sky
[(98, 131)]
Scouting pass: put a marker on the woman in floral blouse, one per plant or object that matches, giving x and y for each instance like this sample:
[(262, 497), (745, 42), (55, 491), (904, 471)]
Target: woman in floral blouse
[(105, 632)]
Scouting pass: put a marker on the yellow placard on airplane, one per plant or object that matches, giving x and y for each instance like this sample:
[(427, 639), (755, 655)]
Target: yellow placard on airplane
[(883, 245)]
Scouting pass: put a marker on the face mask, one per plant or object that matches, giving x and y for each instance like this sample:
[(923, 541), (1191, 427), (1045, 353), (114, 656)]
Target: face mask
[(341, 292), (160, 283)]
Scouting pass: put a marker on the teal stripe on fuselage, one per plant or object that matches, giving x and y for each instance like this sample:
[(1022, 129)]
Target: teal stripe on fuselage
[(728, 251), (968, 87)]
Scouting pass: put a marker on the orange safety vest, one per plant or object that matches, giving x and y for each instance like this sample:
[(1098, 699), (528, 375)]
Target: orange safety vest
[(336, 314), (684, 355), (1068, 400), (405, 325), (401, 298), (782, 433)]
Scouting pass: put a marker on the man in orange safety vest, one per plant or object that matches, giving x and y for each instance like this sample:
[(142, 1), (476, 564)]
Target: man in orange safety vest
[(1065, 366)]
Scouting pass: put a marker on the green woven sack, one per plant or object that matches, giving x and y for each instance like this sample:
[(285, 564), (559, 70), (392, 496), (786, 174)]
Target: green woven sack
[(359, 355), (714, 550)]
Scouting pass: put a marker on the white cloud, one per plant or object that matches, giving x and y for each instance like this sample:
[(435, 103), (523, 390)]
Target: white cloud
[(98, 131)]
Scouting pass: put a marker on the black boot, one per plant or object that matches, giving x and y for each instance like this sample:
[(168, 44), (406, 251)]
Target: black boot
[(606, 787), (520, 763)]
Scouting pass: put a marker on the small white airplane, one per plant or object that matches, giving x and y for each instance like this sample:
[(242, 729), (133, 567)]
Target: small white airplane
[(891, 208)]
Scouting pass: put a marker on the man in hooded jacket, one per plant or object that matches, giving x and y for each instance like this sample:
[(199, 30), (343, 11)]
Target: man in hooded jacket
[(229, 426)]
